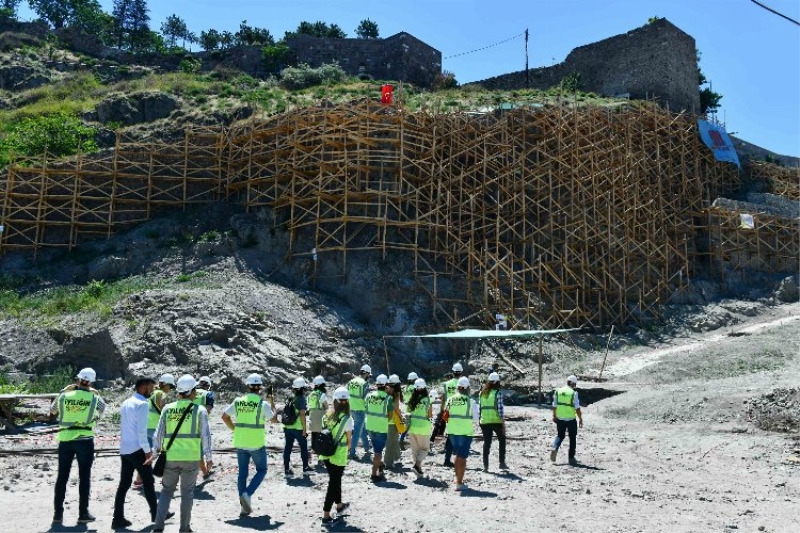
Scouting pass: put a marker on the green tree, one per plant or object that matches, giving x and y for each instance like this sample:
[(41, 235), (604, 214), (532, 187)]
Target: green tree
[(654, 19), (252, 36), (8, 9), (174, 28), (209, 40), (59, 134), (317, 29), (275, 56), (61, 13), (367, 29), (709, 100)]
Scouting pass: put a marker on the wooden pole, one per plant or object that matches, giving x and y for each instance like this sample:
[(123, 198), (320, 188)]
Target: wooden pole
[(386, 355), (608, 344), (540, 369)]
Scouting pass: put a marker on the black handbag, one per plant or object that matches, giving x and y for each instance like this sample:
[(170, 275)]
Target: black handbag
[(161, 462)]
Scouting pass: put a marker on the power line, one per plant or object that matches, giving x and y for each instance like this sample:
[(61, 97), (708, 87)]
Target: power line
[(756, 2), (485, 47)]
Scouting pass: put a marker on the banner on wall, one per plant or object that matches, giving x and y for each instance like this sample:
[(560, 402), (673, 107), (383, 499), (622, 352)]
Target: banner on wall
[(717, 139)]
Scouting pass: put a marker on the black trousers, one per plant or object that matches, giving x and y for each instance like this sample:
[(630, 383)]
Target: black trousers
[(83, 450), (567, 426), (334, 493), (488, 430), (130, 463)]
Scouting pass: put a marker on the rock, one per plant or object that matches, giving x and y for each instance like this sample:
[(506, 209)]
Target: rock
[(788, 290), (19, 77), (136, 108)]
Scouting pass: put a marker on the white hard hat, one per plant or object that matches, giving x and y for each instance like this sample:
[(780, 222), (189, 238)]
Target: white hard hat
[(463, 383), (572, 379), (253, 379), (299, 383), (366, 370), (458, 368), (87, 374), (319, 380), (419, 383), (204, 379), (186, 383), (494, 376), (167, 379), (412, 376), (382, 379), (394, 378), (341, 394)]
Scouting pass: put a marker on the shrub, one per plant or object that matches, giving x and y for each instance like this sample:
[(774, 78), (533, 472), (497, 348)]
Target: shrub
[(59, 134), (304, 76), (190, 65), (11, 40)]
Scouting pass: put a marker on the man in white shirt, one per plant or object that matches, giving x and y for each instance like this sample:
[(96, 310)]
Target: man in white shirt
[(134, 451)]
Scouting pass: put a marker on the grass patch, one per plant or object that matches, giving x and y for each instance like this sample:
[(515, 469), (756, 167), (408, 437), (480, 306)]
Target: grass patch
[(54, 382)]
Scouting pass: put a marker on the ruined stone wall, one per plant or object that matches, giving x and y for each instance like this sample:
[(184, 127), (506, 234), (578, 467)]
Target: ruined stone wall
[(656, 60)]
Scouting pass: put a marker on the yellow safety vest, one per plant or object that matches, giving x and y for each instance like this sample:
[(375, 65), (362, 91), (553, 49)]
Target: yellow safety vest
[(153, 414), (377, 403), (450, 387), (339, 438), (565, 403), (200, 397), (76, 415), (459, 421), (489, 412), (250, 420), (356, 388), (314, 399), (186, 446), (419, 423)]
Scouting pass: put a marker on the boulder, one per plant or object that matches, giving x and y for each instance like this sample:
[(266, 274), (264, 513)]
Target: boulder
[(136, 108), (787, 290)]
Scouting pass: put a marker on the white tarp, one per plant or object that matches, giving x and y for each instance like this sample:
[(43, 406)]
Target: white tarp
[(482, 333)]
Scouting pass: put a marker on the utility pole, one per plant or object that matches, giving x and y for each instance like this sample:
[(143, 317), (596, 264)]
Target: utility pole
[(527, 75)]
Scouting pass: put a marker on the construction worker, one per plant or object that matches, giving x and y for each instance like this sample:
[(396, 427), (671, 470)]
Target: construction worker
[(135, 451), (188, 422), (408, 390), (296, 430), (379, 410), (246, 417), (77, 407), (339, 422), (317, 406), (204, 396), (420, 410), (156, 403), (492, 420), (358, 387), (391, 453), (449, 388), (566, 407), (460, 412)]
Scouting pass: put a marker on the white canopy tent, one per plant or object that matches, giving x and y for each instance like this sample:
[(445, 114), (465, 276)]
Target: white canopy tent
[(472, 334)]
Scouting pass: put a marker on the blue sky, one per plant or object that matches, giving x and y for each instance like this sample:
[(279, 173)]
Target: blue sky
[(751, 56)]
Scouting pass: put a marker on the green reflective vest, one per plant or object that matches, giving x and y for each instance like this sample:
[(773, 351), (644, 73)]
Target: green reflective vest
[(200, 397), (418, 422), (250, 420), (76, 415), (186, 446), (489, 412), (357, 388), (450, 387), (153, 406), (407, 392), (337, 430), (314, 400), (459, 420), (377, 410), (565, 403)]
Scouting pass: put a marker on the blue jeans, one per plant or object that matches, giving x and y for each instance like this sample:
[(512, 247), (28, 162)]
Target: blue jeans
[(291, 436), (359, 431), (259, 458)]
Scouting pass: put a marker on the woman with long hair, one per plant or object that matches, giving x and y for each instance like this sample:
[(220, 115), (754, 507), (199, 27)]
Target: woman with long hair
[(339, 422), (317, 407), (420, 410), (492, 420), (392, 453)]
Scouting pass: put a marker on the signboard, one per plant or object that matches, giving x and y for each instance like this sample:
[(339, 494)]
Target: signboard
[(717, 139)]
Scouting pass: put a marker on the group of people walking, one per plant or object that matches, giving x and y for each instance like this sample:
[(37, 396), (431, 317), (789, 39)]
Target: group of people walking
[(173, 440)]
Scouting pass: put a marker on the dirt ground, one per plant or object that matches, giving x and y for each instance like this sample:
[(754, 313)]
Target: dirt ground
[(674, 453)]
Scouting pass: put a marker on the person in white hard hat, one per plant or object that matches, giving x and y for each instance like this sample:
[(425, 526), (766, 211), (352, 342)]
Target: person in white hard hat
[(189, 423), (566, 407), (358, 388), (449, 388), (296, 430), (461, 412), (408, 390), (420, 410), (317, 406), (380, 412), (340, 424), (392, 452), (247, 417), (492, 419), (155, 404), (204, 396), (77, 407)]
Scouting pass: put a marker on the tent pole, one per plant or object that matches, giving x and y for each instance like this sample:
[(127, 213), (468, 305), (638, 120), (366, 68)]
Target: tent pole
[(540, 369)]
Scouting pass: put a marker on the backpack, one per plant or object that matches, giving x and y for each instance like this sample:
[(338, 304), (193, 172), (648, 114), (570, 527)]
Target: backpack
[(289, 416), (323, 443)]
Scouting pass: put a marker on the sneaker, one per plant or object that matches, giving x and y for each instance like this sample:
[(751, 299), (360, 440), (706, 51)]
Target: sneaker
[(352, 457), (244, 499), (553, 454), (343, 508), (329, 519), (503, 466), (448, 464), (58, 518), (170, 514), (307, 470), (418, 469), (85, 518), (288, 473), (461, 486), (120, 523), (573, 461), (377, 479)]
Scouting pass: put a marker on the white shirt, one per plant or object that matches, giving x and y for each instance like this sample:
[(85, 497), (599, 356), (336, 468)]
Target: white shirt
[(265, 409), (133, 425)]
